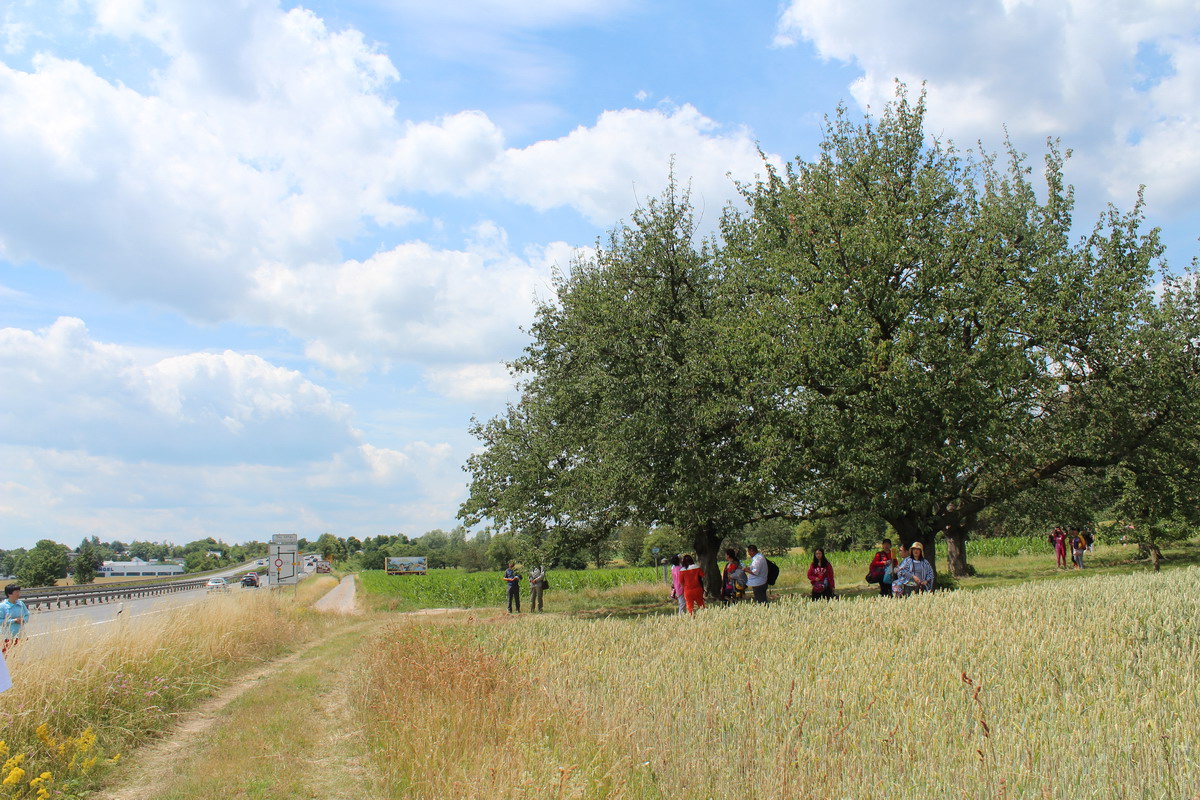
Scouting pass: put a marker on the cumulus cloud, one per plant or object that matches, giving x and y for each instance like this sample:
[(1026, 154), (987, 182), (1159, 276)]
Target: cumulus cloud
[(361, 491), (228, 186), (60, 388), (1117, 80)]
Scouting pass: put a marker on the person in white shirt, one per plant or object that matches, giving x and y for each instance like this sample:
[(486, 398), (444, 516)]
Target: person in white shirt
[(756, 574)]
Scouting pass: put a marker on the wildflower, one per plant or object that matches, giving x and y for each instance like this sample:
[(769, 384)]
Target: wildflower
[(86, 741), (43, 794), (43, 733), (3, 749), (12, 763), (41, 780), (16, 776), (115, 758), (88, 763)]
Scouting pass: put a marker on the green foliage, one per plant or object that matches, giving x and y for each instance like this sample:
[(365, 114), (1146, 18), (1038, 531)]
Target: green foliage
[(632, 539), (669, 541), (774, 537), (892, 331), (43, 565), (87, 563), (457, 589)]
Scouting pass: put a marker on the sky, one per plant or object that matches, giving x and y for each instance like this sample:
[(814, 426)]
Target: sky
[(261, 263)]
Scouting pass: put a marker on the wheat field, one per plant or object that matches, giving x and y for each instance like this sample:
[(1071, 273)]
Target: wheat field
[(1065, 689)]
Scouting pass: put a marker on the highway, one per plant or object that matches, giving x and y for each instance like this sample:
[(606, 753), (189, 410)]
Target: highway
[(93, 618)]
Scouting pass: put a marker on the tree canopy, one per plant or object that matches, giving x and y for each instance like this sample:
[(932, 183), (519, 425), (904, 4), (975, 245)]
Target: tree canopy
[(894, 329)]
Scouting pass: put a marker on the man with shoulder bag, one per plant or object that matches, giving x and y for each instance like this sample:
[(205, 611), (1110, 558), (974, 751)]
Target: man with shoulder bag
[(537, 585)]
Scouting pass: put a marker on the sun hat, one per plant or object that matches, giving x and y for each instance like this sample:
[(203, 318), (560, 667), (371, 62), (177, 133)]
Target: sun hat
[(917, 546)]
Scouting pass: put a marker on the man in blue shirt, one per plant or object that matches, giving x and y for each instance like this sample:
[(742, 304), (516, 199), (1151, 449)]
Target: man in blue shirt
[(513, 579), (13, 616)]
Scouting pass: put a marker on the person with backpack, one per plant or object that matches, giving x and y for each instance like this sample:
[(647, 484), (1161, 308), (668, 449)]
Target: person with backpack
[(820, 575), (537, 587), (883, 568), (692, 579), (1078, 547), (757, 573)]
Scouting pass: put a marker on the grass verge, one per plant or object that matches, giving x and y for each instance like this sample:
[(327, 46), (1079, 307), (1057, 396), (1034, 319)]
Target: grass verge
[(112, 689)]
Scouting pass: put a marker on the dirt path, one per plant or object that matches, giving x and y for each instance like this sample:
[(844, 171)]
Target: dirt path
[(340, 599), (153, 770), (150, 771)]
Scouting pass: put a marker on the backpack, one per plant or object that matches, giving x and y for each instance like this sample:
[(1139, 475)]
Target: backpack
[(772, 572)]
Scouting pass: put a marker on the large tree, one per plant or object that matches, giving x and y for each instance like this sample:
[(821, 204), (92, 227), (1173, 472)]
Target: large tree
[(629, 412), (926, 337)]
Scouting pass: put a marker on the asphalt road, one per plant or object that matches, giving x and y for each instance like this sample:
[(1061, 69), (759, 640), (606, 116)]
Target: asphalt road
[(92, 618)]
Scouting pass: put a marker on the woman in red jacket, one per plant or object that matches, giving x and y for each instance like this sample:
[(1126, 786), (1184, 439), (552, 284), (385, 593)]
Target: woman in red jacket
[(692, 579), (879, 564), (820, 575)]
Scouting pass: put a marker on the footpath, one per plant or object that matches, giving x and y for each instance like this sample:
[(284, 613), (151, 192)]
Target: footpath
[(284, 731)]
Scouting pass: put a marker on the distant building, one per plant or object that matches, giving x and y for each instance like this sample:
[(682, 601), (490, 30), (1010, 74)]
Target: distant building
[(137, 568), (214, 554)]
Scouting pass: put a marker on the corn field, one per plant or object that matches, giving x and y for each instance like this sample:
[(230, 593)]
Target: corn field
[(1075, 689), (451, 588)]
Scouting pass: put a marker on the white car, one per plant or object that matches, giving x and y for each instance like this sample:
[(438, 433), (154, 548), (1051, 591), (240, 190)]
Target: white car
[(218, 585)]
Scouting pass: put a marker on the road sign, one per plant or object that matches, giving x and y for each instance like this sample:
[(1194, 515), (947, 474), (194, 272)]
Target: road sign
[(284, 563), (285, 538)]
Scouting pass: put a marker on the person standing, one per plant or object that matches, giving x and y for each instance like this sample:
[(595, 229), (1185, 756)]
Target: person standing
[(915, 573), (1059, 539), (884, 563), (13, 616), (677, 586), (513, 579), (756, 573), (820, 575), (537, 585), (1078, 547), (691, 577)]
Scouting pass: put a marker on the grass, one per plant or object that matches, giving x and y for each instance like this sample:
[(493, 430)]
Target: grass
[(640, 591), (1055, 689), (257, 751), (131, 679)]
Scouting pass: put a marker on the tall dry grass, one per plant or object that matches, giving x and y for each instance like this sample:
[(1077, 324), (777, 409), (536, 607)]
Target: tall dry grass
[(124, 681), (1075, 689)]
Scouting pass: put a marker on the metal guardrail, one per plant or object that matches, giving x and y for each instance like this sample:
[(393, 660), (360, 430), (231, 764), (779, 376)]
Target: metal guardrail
[(89, 595), (187, 577)]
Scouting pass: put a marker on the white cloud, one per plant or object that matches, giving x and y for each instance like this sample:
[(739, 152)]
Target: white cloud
[(606, 170), (267, 140), (361, 491), (1117, 80), (472, 383), (60, 388)]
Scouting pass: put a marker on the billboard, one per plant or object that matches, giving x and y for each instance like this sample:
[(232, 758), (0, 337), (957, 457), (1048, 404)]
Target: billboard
[(406, 565)]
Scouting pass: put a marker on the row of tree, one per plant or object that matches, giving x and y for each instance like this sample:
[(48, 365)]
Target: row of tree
[(894, 330), (48, 561)]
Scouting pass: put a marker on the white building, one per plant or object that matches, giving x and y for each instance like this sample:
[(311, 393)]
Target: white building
[(137, 568)]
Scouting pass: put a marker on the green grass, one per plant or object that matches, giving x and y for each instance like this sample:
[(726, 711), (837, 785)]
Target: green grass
[(450, 588)]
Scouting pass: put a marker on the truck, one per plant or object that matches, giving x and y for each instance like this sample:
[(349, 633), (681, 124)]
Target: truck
[(406, 565)]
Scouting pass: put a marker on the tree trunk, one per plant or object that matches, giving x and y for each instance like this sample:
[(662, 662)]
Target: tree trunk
[(707, 542), (956, 553), (1151, 551)]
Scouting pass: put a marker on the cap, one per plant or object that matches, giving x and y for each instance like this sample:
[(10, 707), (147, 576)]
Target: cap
[(917, 546)]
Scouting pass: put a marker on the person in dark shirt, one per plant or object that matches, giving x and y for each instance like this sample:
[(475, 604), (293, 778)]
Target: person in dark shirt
[(513, 579)]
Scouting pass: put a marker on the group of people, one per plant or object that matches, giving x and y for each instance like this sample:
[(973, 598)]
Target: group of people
[(538, 584), (687, 579), (910, 573), (1076, 541)]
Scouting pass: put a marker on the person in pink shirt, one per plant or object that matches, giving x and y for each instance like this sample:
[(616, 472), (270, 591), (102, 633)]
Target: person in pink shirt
[(820, 575), (677, 585), (1059, 539)]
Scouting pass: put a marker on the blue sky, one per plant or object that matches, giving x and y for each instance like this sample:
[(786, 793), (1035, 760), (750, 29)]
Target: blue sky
[(260, 263)]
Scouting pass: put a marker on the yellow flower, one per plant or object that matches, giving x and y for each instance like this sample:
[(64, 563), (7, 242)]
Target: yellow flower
[(43, 733), (3, 749), (115, 758), (12, 762), (88, 763), (86, 741), (45, 777), (43, 793), (14, 777)]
